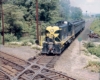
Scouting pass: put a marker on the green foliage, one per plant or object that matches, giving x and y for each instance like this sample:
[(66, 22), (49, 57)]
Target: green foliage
[(64, 6), (10, 37), (27, 42), (88, 45), (21, 16), (95, 26), (91, 63), (14, 22), (76, 13), (94, 66), (98, 16), (24, 43), (94, 50), (36, 47), (32, 41)]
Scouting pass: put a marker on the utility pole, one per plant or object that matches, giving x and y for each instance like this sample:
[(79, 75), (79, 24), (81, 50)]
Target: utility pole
[(0, 18), (0, 27), (37, 20), (2, 22)]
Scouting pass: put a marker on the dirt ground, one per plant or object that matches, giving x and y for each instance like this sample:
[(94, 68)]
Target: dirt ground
[(23, 52), (73, 61)]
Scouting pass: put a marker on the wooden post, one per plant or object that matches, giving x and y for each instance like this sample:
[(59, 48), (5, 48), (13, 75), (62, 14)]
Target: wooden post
[(37, 35)]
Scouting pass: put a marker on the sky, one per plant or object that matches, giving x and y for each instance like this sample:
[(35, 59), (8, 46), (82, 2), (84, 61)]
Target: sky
[(91, 6)]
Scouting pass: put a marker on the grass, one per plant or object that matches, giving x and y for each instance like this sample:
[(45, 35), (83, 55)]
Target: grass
[(36, 47), (24, 41), (95, 26), (86, 52), (94, 66), (94, 50)]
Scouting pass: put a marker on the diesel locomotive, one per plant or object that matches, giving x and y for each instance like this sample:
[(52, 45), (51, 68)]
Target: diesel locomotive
[(61, 34)]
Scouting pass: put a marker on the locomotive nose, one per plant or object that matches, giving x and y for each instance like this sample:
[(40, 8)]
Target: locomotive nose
[(50, 46)]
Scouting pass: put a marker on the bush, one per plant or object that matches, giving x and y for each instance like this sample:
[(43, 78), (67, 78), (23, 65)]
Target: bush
[(10, 37), (88, 45), (24, 43), (15, 43), (94, 50), (95, 26), (93, 66), (99, 46), (37, 47), (31, 41)]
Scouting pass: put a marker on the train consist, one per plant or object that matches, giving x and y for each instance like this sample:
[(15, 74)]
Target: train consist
[(61, 34)]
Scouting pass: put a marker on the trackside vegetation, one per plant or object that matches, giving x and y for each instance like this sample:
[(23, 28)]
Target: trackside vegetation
[(94, 66), (93, 49), (95, 26), (20, 16)]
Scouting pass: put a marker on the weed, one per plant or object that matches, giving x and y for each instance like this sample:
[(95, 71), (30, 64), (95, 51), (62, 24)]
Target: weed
[(24, 43), (95, 26), (94, 66), (94, 50)]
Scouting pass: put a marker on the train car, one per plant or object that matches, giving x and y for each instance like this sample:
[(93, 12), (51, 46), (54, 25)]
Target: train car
[(62, 33)]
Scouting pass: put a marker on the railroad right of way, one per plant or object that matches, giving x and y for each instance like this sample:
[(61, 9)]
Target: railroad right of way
[(37, 68)]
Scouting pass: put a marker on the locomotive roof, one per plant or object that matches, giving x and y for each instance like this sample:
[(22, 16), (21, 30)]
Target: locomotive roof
[(65, 23), (77, 21), (61, 23)]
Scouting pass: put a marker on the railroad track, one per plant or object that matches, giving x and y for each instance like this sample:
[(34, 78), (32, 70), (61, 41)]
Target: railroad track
[(43, 74), (12, 65), (3, 76), (37, 68), (45, 60)]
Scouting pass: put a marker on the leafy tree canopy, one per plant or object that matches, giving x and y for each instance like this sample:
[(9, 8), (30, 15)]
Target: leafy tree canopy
[(76, 13), (20, 15)]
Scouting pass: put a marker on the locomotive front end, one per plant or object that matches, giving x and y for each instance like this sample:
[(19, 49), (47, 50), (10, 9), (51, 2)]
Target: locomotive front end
[(50, 45)]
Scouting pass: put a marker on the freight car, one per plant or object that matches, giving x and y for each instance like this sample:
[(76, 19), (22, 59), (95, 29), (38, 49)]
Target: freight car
[(61, 34)]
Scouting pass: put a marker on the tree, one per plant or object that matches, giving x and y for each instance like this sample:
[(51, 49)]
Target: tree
[(76, 13), (47, 10), (65, 9), (98, 16), (22, 16), (13, 18), (51, 12)]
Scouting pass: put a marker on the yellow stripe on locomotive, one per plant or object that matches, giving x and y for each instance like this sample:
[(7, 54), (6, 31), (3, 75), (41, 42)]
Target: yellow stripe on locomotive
[(51, 31)]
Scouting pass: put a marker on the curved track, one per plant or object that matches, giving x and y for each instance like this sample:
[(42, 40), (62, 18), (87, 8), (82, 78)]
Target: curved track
[(45, 60), (37, 68), (4, 76)]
